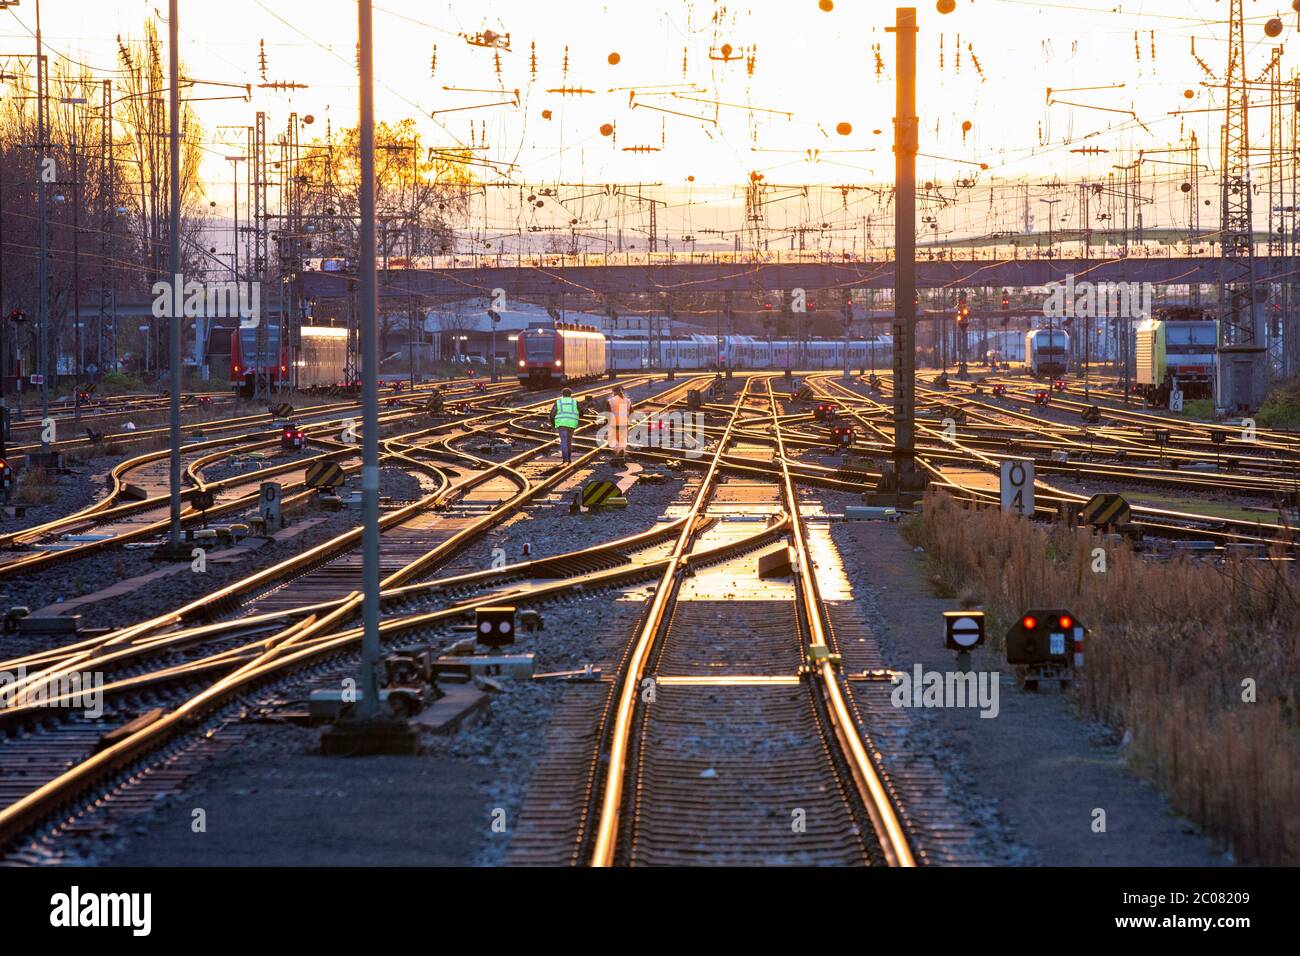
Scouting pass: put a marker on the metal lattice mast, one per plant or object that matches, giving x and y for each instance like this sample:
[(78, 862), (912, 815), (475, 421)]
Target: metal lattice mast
[(1194, 205), (1277, 210), (258, 223), (1241, 354), (1290, 338)]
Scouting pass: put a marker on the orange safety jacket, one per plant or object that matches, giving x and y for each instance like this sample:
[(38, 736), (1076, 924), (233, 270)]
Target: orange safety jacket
[(619, 411)]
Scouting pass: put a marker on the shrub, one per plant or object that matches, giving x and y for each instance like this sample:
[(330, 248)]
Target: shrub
[(1281, 409)]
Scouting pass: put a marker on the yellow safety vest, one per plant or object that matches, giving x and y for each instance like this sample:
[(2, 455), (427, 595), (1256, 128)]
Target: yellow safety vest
[(566, 413)]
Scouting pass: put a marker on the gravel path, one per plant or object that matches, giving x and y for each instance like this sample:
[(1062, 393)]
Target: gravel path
[(1032, 777)]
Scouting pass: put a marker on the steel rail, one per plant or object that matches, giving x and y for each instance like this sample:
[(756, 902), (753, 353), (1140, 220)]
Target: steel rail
[(871, 790), (611, 804)]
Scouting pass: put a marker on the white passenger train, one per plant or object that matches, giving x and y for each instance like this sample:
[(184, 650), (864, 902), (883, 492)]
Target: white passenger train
[(1047, 352), (745, 351)]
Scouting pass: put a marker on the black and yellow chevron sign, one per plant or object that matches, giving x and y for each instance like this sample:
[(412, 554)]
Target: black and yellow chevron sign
[(1104, 510), (282, 410), (597, 492), (324, 474)]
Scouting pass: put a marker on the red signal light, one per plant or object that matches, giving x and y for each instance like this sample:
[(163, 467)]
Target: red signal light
[(1067, 622), (1030, 622)]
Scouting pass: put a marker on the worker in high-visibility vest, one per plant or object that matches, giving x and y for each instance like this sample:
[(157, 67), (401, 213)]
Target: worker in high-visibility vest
[(620, 410), (566, 417)]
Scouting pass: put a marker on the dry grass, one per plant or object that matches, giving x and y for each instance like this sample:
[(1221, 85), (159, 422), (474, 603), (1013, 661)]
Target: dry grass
[(1169, 649), (35, 487)]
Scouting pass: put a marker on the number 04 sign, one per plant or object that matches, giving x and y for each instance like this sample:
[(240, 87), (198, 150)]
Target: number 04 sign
[(1018, 487)]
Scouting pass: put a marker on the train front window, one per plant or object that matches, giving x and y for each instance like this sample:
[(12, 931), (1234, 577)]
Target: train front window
[(248, 341), (539, 347)]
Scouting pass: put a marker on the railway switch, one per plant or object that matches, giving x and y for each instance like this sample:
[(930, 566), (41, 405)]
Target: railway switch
[(13, 616), (495, 626), (405, 668)]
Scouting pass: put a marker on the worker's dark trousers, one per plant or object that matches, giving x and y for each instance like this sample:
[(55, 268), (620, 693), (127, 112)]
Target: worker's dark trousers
[(566, 442)]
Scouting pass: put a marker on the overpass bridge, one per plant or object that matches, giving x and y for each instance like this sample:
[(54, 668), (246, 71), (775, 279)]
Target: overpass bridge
[(559, 275)]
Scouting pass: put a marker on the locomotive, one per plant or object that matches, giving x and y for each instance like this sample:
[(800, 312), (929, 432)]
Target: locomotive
[(1046, 351), (1176, 345), (552, 354), (249, 363)]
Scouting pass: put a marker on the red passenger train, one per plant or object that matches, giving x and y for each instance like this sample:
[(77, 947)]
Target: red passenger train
[(247, 365), (563, 352)]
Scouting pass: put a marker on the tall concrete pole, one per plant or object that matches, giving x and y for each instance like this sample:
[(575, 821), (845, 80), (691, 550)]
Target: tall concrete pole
[(905, 148), (42, 281), (368, 707), (178, 280)]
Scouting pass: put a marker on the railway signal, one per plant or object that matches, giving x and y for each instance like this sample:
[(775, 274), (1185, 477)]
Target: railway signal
[(293, 438), (963, 630), (201, 499), (1042, 397), (843, 435), (1045, 644), (6, 477), (494, 626)]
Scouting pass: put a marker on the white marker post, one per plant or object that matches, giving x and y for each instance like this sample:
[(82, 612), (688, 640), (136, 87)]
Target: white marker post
[(1018, 488), (269, 505)]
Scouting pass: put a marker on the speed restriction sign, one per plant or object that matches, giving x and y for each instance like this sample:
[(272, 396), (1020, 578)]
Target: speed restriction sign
[(1018, 487), (269, 505)]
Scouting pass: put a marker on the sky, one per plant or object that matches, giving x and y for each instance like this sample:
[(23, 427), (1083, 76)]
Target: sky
[(806, 97)]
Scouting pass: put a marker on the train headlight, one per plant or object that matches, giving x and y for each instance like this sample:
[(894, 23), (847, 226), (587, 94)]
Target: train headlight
[(522, 363), (557, 363)]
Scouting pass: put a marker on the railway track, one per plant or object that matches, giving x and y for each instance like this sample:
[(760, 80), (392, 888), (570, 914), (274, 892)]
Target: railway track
[(725, 731), (952, 460), (262, 637), (725, 735)]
